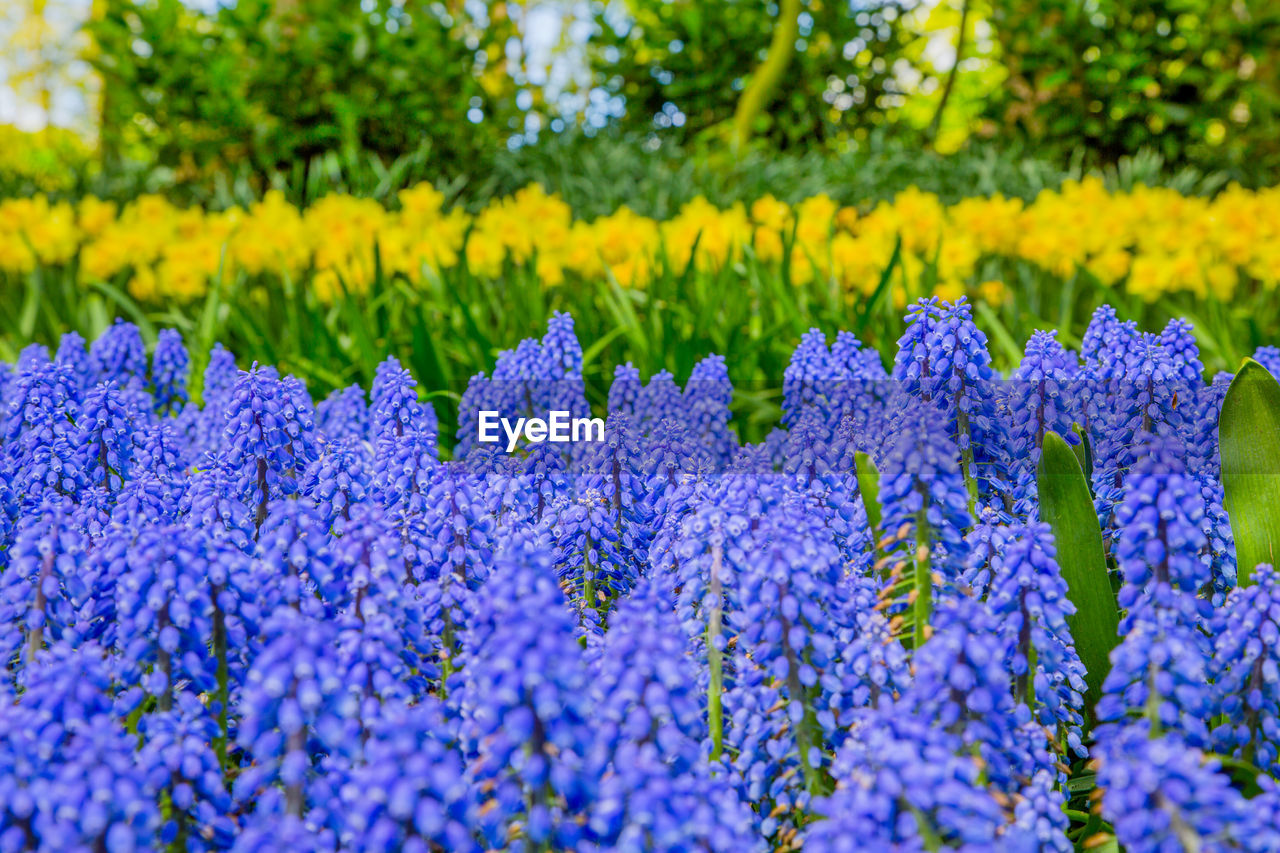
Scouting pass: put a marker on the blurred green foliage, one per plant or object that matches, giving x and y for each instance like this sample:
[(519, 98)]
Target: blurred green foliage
[(680, 66), (52, 160), (270, 83), (1196, 80), (598, 175), (365, 96)]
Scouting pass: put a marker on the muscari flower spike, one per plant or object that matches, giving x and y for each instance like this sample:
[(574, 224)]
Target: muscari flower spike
[(1043, 397), (956, 375), (1245, 671), (170, 364), (296, 702), (1269, 358), (645, 685), (1159, 673), (40, 436), (962, 684), (525, 710), (662, 400), (923, 500), (904, 784), (410, 791), (593, 565), (344, 414), (812, 377), (784, 709), (622, 468), (337, 480), (1029, 599), (453, 545), (212, 502), (625, 390), (394, 408), (45, 595), (564, 358), (177, 758), (118, 355), (268, 440), (105, 435), (1142, 401), (164, 615), (1160, 540), (708, 394), (73, 355), (821, 464), (68, 769), (1163, 794)]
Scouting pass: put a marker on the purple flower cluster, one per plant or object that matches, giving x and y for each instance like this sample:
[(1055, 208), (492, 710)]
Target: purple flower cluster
[(255, 622)]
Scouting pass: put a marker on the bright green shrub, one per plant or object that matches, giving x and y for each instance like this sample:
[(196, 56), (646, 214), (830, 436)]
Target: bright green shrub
[(46, 161), (277, 82), (1195, 80)]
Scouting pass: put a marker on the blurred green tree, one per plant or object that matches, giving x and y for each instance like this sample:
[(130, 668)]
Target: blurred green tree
[(1196, 80), (681, 66), (275, 82), (956, 63)]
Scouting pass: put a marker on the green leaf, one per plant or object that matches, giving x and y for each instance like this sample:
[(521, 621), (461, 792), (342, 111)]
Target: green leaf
[(882, 287), (1083, 451), (1066, 505), (1249, 441), (1244, 775), (591, 353), (1082, 784), (1003, 337), (122, 301), (869, 486)]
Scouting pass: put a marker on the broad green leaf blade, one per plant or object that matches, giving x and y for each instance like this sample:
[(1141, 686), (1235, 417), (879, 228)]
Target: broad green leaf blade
[(1083, 451), (869, 487), (1249, 441), (1244, 775), (1066, 506)]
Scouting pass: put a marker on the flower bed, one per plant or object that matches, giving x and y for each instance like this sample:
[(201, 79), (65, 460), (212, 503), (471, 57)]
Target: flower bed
[(1151, 242), (264, 624)]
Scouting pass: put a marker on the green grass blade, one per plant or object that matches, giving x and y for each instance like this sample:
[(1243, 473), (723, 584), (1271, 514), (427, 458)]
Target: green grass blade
[(1066, 505), (591, 353), (474, 333), (128, 306), (30, 307), (1249, 441), (1003, 338), (618, 300), (882, 287), (311, 369)]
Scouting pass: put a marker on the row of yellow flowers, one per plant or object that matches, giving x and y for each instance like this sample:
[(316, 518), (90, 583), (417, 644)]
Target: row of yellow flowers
[(1151, 241)]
